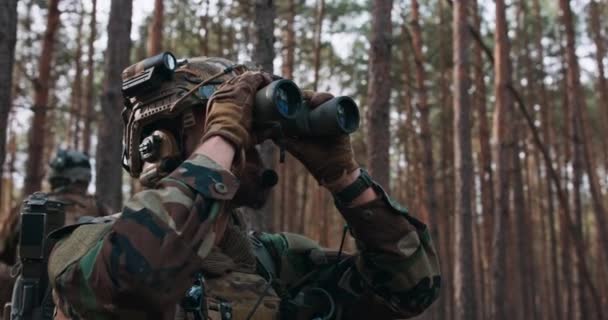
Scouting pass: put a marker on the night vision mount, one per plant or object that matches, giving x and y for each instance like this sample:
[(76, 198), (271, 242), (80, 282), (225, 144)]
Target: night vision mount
[(148, 74)]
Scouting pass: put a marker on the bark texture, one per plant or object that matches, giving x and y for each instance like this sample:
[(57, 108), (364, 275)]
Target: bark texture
[(317, 41), (37, 133), (378, 92), (464, 282), (109, 148), (155, 35), (425, 125), (8, 39), (502, 151), (90, 98)]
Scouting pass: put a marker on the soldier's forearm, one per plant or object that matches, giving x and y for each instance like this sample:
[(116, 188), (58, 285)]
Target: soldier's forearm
[(396, 253), (218, 150), (366, 196)]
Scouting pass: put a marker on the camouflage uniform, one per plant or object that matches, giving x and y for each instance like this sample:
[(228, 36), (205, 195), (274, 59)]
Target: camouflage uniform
[(77, 204), (139, 265), (183, 239)]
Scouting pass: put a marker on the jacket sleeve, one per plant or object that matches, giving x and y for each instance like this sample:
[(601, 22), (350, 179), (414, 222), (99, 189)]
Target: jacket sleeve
[(394, 274), (141, 264), (397, 267)]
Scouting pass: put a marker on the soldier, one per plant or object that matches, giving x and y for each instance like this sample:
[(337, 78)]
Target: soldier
[(179, 250), (69, 178)]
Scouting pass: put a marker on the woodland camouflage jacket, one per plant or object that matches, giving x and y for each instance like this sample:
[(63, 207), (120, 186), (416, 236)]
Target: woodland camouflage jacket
[(140, 265)]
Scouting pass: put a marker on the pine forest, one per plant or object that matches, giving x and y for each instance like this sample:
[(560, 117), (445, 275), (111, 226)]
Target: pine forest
[(486, 119)]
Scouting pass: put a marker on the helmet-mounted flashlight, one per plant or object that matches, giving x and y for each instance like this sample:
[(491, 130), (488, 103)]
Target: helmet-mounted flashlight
[(148, 74)]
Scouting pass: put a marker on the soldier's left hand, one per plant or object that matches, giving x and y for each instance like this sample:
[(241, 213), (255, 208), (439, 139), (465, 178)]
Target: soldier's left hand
[(326, 158), (230, 109)]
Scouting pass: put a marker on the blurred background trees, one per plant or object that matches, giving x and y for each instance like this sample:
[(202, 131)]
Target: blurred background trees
[(486, 118)]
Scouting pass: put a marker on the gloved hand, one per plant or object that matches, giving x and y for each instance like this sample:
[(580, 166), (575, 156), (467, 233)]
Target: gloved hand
[(230, 109), (326, 158)]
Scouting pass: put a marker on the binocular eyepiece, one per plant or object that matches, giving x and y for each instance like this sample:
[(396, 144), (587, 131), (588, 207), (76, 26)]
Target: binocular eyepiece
[(281, 101)]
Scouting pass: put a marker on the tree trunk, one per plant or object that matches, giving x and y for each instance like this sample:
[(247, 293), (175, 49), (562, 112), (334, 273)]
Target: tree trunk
[(378, 92), (600, 53), (522, 223), (155, 35), (602, 85), (289, 170), (446, 163), (289, 41), (219, 29), (523, 213), (90, 86), (8, 39), (547, 126), (37, 133), (484, 156), (464, 282), (204, 38), (76, 98), (582, 140), (502, 150), (109, 148), (265, 13), (320, 13), (425, 126)]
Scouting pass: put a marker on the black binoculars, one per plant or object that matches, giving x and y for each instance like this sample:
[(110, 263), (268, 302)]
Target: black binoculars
[(281, 102)]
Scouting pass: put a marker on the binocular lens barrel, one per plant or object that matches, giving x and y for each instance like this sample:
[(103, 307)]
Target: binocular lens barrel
[(339, 115), (279, 100)]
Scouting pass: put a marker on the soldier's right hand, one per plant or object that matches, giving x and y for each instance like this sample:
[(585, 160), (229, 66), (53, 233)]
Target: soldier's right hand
[(326, 158), (230, 109)]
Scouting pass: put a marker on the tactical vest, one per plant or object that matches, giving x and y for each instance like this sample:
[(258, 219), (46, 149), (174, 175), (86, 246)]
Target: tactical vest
[(31, 298), (237, 282)]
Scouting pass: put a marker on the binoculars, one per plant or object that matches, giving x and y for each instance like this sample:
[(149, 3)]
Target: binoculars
[(281, 102)]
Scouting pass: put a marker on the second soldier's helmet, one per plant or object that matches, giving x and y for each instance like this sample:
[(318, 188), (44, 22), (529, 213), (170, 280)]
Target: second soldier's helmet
[(69, 167)]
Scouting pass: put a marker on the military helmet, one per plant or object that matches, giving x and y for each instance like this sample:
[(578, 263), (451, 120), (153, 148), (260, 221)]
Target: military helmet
[(69, 167), (161, 91)]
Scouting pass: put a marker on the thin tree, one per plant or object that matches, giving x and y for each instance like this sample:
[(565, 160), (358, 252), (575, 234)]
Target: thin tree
[(378, 91), (89, 84), (502, 151), (425, 126), (523, 213), (204, 39), (108, 164), (581, 149), (289, 175), (155, 34), (446, 164), (289, 41), (76, 99), (8, 39), (37, 133), (320, 13), (219, 29), (484, 155), (547, 126), (600, 52), (464, 282)]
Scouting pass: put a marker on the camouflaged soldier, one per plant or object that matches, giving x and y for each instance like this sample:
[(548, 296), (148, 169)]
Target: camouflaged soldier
[(179, 250), (69, 177)]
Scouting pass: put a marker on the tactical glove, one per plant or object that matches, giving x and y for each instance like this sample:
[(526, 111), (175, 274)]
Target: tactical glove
[(326, 158), (229, 111)]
